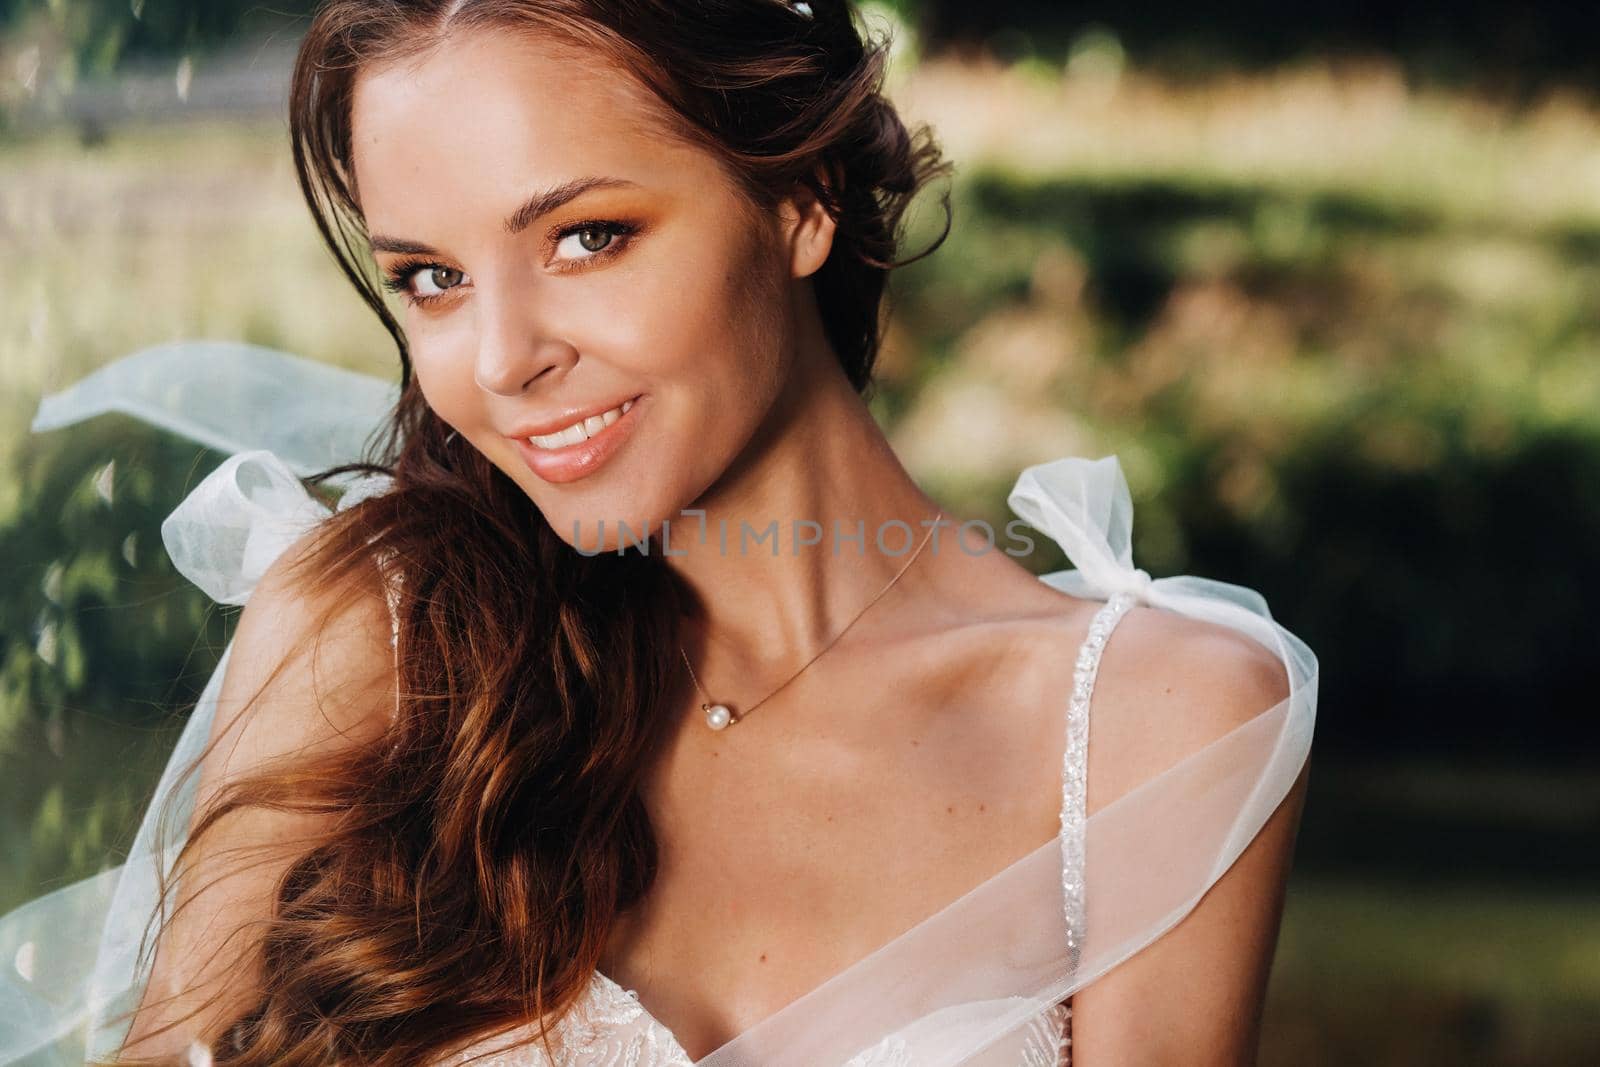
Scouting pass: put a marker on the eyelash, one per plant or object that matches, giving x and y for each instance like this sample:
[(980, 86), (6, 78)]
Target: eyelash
[(397, 276)]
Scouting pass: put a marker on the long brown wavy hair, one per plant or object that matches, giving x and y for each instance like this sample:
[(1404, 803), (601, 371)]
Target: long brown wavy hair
[(486, 842)]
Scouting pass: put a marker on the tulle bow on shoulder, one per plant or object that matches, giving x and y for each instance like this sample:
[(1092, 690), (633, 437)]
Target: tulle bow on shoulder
[(1085, 507), (241, 518)]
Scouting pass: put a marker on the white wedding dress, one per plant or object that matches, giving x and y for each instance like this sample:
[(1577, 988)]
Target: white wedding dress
[(985, 981)]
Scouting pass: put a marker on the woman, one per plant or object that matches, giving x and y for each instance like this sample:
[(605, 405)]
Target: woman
[(583, 717)]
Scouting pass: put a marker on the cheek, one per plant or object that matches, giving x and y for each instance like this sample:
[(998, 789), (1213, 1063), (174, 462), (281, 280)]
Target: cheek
[(759, 326), (447, 385), (757, 290), (730, 326), (704, 308)]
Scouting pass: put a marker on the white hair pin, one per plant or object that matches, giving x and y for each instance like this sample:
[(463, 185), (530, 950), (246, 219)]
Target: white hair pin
[(800, 7)]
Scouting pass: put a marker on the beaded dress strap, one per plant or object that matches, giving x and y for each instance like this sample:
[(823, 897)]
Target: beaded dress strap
[(391, 576), (1075, 765)]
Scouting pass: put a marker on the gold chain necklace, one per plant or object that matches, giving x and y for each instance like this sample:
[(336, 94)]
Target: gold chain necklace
[(720, 716)]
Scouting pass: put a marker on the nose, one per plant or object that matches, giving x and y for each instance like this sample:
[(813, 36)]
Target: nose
[(513, 351)]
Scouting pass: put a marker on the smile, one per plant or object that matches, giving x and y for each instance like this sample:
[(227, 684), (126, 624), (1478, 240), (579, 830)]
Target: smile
[(581, 448), (581, 430)]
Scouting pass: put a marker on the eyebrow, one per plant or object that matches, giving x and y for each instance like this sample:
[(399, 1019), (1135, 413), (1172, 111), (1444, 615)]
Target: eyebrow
[(531, 210)]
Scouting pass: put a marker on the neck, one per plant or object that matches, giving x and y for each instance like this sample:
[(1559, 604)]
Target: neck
[(820, 470)]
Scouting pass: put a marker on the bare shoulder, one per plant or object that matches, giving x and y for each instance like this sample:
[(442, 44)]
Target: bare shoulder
[(318, 659), (1167, 686), (309, 674), (1171, 685)]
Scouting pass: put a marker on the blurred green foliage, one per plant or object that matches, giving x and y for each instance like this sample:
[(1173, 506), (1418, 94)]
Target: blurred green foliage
[(103, 641), (1377, 448), (1515, 46), (99, 34)]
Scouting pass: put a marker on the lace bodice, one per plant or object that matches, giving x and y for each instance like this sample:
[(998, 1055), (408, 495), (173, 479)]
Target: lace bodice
[(610, 1026)]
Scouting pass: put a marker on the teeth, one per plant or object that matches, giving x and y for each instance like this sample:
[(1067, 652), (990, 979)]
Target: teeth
[(581, 431)]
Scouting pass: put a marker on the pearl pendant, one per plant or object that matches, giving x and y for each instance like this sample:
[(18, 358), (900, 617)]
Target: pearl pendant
[(717, 716)]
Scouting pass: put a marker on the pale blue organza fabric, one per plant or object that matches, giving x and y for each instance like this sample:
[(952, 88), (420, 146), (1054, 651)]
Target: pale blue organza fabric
[(234, 397)]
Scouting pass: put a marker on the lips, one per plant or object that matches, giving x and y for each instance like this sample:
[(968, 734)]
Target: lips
[(558, 421), (563, 456), (581, 429)]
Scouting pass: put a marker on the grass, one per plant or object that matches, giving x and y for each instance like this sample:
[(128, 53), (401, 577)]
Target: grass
[(1390, 974)]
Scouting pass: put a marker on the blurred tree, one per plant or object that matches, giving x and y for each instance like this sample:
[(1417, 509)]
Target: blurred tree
[(99, 34), (1514, 46), (104, 646)]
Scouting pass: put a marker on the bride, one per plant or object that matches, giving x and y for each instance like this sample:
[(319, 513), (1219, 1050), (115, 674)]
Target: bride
[(639, 707)]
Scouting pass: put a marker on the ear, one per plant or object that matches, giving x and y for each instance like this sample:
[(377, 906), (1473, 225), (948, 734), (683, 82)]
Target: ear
[(808, 228)]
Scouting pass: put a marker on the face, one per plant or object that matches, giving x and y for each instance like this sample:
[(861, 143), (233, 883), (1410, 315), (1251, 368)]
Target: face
[(532, 325)]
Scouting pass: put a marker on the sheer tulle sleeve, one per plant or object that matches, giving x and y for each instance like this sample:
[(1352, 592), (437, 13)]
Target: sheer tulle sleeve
[(73, 961)]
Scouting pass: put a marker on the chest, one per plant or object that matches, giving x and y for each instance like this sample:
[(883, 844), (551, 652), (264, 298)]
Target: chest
[(792, 849)]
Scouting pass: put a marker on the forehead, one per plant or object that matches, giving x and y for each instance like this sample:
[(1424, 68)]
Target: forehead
[(496, 112)]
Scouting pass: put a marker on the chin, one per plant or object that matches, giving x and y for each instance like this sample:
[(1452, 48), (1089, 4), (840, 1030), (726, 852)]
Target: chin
[(587, 537)]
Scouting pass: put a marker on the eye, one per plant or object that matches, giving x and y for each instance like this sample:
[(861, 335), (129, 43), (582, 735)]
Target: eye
[(421, 282), (434, 280), (593, 240)]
